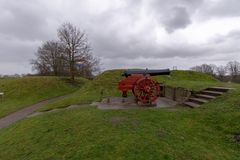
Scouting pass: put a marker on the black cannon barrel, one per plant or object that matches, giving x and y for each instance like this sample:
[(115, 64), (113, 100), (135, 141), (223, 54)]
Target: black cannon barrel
[(151, 72)]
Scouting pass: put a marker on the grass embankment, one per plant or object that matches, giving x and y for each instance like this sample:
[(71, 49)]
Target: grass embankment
[(89, 133), (103, 85), (205, 133), (21, 92), (190, 80), (106, 85)]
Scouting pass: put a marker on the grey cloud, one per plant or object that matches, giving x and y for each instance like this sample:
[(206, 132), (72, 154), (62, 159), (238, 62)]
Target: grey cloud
[(222, 8), (13, 50), (14, 67), (135, 47), (232, 36), (112, 39), (235, 34), (24, 19), (177, 18), (121, 35), (225, 47), (163, 5), (175, 14)]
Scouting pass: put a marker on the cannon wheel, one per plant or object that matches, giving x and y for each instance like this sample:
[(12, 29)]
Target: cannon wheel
[(146, 90)]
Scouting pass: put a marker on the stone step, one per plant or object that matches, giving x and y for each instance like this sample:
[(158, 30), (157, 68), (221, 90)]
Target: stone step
[(191, 104), (204, 96), (219, 89), (211, 93), (198, 100)]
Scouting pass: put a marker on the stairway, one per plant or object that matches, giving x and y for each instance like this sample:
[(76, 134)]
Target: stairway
[(205, 96)]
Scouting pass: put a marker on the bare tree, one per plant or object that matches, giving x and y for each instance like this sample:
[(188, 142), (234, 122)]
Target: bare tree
[(88, 66), (50, 59), (77, 48), (205, 68), (41, 67), (221, 71), (70, 55), (234, 68)]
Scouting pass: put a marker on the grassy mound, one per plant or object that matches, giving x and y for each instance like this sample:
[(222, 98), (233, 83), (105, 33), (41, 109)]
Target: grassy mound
[(188, 76), (106, 83), (189, 79), (21, 92), (89, 133), (103, 85)]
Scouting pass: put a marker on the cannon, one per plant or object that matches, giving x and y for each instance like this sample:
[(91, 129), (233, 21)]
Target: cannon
[(143, 86)]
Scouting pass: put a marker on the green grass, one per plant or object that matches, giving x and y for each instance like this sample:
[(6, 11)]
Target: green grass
[(103, 85), (205, 133), (190, 80), (107, 82), (21, 92)]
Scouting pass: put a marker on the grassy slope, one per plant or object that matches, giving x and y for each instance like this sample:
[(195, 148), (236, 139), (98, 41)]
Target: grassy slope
[(189, 79), (107, 83), (21, 92), (88, 133)]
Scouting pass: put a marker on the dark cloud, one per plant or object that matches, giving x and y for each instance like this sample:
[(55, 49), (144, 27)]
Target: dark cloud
[(177, 18), (175, 14)]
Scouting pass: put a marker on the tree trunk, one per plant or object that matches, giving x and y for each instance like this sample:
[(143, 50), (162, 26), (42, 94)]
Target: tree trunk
[(72, 74)]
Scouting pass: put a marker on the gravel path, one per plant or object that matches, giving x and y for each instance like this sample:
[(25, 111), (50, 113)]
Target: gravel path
[(16, 116)]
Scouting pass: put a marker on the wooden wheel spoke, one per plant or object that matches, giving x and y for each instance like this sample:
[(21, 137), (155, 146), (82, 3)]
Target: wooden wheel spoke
[(146, 90)]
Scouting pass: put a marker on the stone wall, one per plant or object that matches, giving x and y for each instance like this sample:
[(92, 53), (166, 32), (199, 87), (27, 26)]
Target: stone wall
[(176, 93)]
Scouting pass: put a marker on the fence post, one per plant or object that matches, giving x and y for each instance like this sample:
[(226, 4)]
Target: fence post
[(174, 94), (1, 95), (162, 93)]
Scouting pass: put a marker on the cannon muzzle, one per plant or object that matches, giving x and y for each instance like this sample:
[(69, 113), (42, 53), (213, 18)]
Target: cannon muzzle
[(151, 72)]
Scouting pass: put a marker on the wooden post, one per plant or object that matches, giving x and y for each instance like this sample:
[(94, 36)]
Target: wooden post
[(163, 93), (174, 94), (108, 99), (1, 94), (101, 94)]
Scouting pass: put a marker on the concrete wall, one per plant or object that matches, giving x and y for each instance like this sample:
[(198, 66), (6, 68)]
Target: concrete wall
[(176, 93)]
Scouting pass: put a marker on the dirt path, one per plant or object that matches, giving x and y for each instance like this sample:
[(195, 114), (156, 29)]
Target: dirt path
[(58, 110), (16, 116)]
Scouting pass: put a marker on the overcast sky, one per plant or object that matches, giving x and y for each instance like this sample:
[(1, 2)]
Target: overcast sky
[(125, 33)]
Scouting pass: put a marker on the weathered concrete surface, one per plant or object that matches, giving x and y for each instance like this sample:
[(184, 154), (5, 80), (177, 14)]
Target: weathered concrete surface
[(176, 93), (127, 103)]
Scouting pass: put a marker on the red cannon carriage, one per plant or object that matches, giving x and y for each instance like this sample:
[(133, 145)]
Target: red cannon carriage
[(144, 88)]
